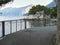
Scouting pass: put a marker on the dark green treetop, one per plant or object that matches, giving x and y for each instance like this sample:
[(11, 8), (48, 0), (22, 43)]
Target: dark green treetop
[(4, 1), (48, 11)]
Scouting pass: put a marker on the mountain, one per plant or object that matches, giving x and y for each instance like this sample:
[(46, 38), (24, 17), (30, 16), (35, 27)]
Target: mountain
[(52, 4)]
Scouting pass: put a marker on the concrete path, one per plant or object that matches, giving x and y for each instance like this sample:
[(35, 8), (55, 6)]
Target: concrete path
[(33, 36)]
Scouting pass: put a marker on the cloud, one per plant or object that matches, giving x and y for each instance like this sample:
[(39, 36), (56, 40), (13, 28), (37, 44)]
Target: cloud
[(21, 3)]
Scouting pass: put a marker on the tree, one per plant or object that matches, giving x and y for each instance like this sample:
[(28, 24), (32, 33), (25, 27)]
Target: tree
[(4, 2), (53, 12), (36, 8), (58, 26), (48, 11), (32, 10), (39, 8)]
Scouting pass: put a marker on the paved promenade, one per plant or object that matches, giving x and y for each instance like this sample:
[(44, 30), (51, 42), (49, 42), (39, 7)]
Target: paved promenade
[(33, 36)]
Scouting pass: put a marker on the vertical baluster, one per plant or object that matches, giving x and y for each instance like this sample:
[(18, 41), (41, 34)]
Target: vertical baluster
[(25, 23), (20, 24), (10, 26), (16, 25), (3, 28)]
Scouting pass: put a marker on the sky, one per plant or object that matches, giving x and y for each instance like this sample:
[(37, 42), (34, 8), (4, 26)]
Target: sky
[(22, 3)]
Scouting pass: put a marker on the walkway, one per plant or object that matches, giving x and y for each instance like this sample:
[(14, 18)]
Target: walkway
[(33, 36)]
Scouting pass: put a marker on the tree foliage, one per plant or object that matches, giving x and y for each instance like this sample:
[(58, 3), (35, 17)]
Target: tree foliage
[(32, 10), (48, 11), (36, 8), (4, 2), (53, 12)]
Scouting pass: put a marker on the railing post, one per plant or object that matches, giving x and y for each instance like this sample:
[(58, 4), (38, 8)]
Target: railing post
[(3, 28), (20, 24), (25, 24), (10, 26), (16, 25)]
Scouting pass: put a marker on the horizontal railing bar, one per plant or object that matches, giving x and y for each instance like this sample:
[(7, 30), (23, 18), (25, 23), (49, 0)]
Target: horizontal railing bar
[(11, 20), (23, 19)]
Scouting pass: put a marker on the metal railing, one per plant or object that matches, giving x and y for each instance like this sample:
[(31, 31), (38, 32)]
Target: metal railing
[(11, 26)]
